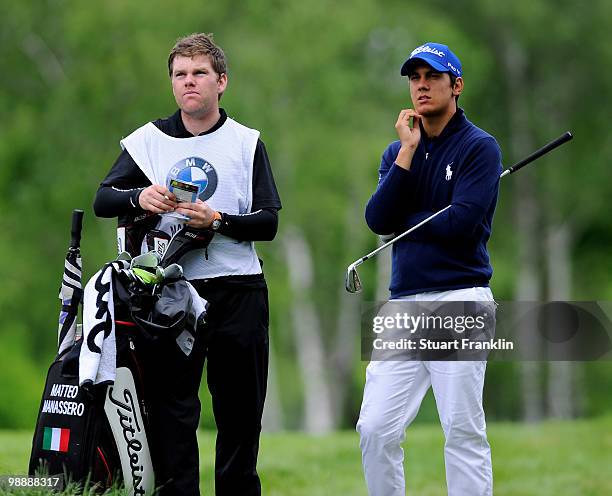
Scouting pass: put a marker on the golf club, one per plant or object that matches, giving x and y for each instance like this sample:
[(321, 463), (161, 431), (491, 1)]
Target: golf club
[(352, 283)]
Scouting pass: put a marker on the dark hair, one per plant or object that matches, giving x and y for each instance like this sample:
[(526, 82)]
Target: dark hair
[(453, 78), (199, 44)]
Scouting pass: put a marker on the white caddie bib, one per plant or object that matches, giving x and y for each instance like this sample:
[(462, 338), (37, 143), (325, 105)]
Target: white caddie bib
[(221, 164)]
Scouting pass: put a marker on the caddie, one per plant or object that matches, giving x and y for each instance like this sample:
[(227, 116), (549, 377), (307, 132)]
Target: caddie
[(202, 148)]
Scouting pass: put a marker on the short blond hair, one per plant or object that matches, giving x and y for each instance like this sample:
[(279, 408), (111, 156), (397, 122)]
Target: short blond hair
[(199, 44)]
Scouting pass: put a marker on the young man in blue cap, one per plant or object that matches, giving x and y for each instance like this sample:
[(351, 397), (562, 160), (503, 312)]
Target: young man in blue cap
[(441, 159)]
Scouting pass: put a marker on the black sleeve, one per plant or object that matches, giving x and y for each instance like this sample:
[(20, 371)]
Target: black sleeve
[(118, 192), (260, 225), (265, 194)]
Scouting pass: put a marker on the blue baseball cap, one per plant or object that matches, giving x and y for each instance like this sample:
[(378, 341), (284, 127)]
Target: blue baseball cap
[(437, 56)]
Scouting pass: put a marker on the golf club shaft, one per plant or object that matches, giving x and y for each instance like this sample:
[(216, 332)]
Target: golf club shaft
[(565, 137), (405, 233)]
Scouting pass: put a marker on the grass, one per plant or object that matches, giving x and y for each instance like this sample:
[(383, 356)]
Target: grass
[(553, 458)]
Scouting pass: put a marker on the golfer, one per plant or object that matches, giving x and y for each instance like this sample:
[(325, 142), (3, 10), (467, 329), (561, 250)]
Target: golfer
[(237, 198), (441, 158)]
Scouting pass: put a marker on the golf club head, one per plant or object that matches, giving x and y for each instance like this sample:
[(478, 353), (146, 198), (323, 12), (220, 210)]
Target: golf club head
[(352, 283), (171, 273), (183, 241), (149, 260), (124, 256)]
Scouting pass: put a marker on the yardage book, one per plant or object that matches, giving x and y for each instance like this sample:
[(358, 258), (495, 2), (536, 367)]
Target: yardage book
[(184, 191)]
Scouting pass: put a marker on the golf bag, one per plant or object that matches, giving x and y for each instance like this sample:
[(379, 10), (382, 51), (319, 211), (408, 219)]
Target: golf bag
[(94, 433), (77, 427), (97, 432)]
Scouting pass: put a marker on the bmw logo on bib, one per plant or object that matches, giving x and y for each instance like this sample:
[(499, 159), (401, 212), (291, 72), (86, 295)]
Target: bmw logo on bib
[(198, 171)]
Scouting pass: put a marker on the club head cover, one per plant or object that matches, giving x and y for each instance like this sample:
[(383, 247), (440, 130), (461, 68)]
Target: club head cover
[(157, 241), (185, 240), (136, 229)]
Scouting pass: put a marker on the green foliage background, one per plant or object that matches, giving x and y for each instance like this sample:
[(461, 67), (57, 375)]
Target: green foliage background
[(321, 80)]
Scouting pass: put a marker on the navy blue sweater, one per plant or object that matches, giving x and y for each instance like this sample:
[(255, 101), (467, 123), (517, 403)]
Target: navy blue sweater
[(460, 167)]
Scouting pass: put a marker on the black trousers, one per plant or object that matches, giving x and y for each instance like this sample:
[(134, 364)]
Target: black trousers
[(234, 343)]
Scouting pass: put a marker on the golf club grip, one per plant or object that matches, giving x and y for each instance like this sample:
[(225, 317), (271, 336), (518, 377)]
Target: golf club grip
[(77, 226), (564, 138)]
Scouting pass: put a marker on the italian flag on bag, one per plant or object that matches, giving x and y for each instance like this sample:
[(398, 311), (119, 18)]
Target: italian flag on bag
[(56, 439)]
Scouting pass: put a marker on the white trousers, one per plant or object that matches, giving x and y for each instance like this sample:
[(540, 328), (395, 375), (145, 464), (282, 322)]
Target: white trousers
[(392, 397)]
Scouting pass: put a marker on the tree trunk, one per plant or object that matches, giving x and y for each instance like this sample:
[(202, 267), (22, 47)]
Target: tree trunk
[(526, 207), (273, 410), (560, 374), (348, 330), (318, 413)]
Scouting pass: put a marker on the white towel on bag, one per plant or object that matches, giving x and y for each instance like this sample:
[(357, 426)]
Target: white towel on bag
[(98, 357)]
